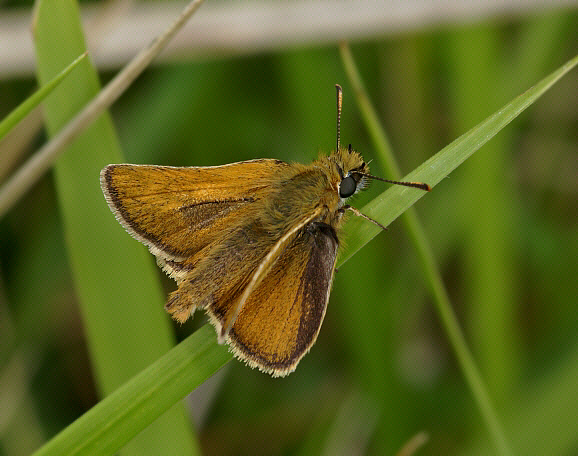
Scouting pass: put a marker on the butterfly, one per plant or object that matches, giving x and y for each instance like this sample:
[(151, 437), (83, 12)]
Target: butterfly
[(253, 243)]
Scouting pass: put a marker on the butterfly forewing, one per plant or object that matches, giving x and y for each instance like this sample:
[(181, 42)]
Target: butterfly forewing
[(178, 211)]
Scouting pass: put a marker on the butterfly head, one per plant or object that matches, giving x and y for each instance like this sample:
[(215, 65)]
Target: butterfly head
[(351, 170)]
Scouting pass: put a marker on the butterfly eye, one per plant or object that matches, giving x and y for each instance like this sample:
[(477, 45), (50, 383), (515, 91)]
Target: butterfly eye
[(347, 187)]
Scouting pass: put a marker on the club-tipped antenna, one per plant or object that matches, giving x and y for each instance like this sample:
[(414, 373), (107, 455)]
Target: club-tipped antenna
[(339, 106), (420, 185)]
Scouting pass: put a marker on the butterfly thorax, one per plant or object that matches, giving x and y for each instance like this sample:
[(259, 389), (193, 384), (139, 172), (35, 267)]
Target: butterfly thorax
[(301, 189), (296, 194)]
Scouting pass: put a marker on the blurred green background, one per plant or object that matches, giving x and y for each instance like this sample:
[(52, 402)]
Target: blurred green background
[(503, 228)]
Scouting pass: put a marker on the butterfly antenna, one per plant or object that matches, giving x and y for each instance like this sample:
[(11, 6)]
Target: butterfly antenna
[(339, 106), (420, 185)]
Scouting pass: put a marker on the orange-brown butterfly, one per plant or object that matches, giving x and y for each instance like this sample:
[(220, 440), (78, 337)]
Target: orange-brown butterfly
[(253, 243)]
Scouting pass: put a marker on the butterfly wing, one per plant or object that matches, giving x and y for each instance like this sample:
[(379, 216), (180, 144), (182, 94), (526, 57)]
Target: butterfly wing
[(281, 318), (176, 211)]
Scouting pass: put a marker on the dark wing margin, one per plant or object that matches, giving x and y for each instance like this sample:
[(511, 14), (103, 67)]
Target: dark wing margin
[(280, 321)]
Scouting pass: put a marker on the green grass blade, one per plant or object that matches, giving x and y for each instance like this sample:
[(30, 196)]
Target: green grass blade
[(36, 98), (116, 282), (116, 419)]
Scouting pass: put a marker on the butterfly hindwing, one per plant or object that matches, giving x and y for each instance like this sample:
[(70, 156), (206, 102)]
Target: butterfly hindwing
[(275, 337)]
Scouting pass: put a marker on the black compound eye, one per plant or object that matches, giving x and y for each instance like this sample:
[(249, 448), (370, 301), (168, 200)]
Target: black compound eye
[(347, 187)]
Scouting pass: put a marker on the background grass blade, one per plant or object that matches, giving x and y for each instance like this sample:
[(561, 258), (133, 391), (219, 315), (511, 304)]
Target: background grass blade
[(35, 99), (115, 279)]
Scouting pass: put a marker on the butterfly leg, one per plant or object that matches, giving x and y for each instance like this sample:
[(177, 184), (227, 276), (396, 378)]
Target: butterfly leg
[(347, 207)]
